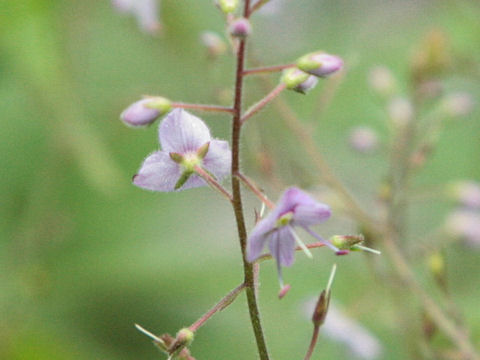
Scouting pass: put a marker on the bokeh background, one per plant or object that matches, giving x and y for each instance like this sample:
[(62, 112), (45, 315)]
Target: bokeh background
[(84, 254)]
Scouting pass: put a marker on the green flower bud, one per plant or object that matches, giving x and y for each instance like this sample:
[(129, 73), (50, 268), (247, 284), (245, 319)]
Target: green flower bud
[(184, 338), (228, 6), (293, 78), (163, 105)]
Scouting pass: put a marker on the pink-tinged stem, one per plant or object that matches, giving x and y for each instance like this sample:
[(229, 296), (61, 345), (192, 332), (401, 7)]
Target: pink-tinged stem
[(257, 6), (313, 342), (263, 102), (203, 107), (248, 270), (298, 248), (212, 182), (249, 183), (222, 304), (267, 69)]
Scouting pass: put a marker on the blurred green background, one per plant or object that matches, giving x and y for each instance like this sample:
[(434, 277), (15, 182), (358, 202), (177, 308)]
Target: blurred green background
[(84, 254)]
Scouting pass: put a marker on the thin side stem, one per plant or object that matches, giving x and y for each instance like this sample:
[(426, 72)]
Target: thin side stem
[(267, 69), (298, 248), (249, 183), (237, 200), (213, 183), (203, 107), (222, 304), (257, 6), (263, 102), (313, 342)]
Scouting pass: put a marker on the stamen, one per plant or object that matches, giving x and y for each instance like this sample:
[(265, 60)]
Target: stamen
[(332, 276), (322, 240), (301, 243), (364, 248), (149, 334)]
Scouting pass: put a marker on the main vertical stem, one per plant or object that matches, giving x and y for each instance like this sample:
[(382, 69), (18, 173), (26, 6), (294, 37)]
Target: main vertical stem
[(237, 200)]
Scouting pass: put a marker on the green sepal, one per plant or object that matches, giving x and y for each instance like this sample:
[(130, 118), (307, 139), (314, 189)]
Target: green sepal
[(293, 78), (203, 150), (178, 158), (163, 105), (306, 63), (183, 179)]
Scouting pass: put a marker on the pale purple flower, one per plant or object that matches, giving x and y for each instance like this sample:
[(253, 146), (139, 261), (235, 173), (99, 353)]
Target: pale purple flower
[(320, 64), (295, 208), (363, 139), (146, 111), (145, 11), (186, 142)]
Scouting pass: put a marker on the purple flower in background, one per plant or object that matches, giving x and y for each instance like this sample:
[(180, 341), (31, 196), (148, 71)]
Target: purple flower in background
[(295, 208), (186, 143), (145, 11)]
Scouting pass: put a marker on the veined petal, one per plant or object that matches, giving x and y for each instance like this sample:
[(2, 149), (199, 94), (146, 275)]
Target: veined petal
[(259, 236), (218, 159), (193, 182), (182, 132), (158, 173), (307, 215), (282, 246)]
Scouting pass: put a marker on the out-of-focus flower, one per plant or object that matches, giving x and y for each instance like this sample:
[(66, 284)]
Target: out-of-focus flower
[(465, 225), (295, 208), (240, 28), (467, 193), (363, 139), (214, 43), (400, 111), (381, 81), (186, 143), (227, 6), (145, 111), (320, 64), (272, 7), (361, 343), (457, 104), (145, 11)]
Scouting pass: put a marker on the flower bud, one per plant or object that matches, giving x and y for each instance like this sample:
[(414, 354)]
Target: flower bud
[(214, 43), (457, 104), (321, 309), (464, 225), (400, 111), (294, 78), (240, 28), (228, 6), (345, 242), (145, 111), (307, 85), (381, 81), (320, 64), (466, 193), (363, 139), (436, 265), (184, 338)]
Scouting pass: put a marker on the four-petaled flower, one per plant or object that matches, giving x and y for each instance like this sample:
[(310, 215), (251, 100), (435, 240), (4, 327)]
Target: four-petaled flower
[(295, 208), (186, 144)]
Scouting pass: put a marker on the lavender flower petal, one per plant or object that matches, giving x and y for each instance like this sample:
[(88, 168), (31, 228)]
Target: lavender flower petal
[(282, 246), (158, 173), (182, 132), (218, 159), (259, 236)]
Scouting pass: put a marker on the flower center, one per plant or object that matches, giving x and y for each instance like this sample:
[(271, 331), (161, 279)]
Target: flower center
[(190, 160), (285, 219)]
